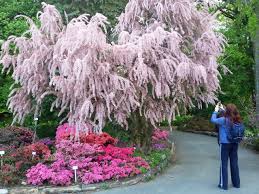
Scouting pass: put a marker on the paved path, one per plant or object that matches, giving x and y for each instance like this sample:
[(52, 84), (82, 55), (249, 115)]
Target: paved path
[(196, 170)]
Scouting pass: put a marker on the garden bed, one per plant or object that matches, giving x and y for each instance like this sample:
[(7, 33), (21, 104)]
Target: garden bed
[(78, 188), (101, 164)]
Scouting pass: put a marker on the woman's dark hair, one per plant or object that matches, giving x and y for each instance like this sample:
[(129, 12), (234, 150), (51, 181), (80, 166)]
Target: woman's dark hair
[(232, 113)]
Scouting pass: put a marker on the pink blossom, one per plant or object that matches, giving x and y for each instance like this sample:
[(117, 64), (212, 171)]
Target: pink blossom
[(38, 174), (163, 60)]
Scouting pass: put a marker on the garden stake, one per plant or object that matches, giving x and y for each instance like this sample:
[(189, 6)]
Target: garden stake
[(35, 128), (75, 168), (33, 154), (2, 155)]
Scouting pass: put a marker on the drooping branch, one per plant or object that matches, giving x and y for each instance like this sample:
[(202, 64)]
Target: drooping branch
[(165, 59)]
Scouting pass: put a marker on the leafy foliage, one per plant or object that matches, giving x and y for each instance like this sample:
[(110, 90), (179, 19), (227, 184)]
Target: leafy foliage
[(10, 26), (239, 56), (109, 8), (155, 157), (238, 22), (180, 120), (118, 132), (11, 8), (197, 123), (15, 136)]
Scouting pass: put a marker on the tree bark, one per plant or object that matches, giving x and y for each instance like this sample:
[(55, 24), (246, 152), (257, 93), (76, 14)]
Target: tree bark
[(257, 64), (141, 132)]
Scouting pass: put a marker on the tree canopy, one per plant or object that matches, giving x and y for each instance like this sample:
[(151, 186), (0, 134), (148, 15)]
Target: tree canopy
[(165, 59)]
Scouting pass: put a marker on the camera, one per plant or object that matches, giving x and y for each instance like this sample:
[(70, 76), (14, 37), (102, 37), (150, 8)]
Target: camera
[(221, 107)]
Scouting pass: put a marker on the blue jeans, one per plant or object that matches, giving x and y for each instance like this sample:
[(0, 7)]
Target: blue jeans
[(229, 150)]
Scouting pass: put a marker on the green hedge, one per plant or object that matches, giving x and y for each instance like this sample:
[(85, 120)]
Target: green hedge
[(197, 123)]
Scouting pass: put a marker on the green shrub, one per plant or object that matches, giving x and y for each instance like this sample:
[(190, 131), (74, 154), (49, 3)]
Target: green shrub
[(155, 157), (251, 132), (47, 129), (179, 120), (117, 131), (143, 170), (197, 123), (164, 123)]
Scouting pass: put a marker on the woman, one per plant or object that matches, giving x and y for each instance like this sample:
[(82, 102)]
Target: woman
[(227, 149)]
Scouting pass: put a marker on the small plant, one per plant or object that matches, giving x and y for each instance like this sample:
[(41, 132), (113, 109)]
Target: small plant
[(9, 175), (251, 132), (25, 154), (159, 135), (15, 136), (156, 157), (105, 186), (143, 170), (180, 120)]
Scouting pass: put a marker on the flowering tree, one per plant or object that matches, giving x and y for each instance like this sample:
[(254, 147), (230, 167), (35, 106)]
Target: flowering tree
[(165, 60)]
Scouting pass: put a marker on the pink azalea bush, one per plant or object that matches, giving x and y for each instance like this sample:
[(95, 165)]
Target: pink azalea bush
[(68, 132), (73, 150), (114, 163), (56, 175), (18, 159), (38, 174), (61, 177), (159, 139), (159, 134), (96, 162)]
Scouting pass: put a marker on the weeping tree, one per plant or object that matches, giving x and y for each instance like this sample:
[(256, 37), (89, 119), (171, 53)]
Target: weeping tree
[(164, 62)]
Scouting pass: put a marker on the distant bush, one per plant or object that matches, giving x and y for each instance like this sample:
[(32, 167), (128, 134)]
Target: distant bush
[(197, 124), (15, 136), (179, 120), (251, 132)]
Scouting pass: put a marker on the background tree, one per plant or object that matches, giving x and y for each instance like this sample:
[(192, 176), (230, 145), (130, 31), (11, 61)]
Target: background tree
[(238, 21), (109, 8), (165, 60), (239, 55), (10, 26)]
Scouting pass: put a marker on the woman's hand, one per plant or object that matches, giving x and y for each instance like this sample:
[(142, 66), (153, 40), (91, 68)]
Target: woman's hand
[(217, 108), (221, 107)]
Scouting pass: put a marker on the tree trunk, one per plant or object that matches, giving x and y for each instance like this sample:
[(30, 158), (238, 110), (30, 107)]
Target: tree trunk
[(257, 65), (141, 132)]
